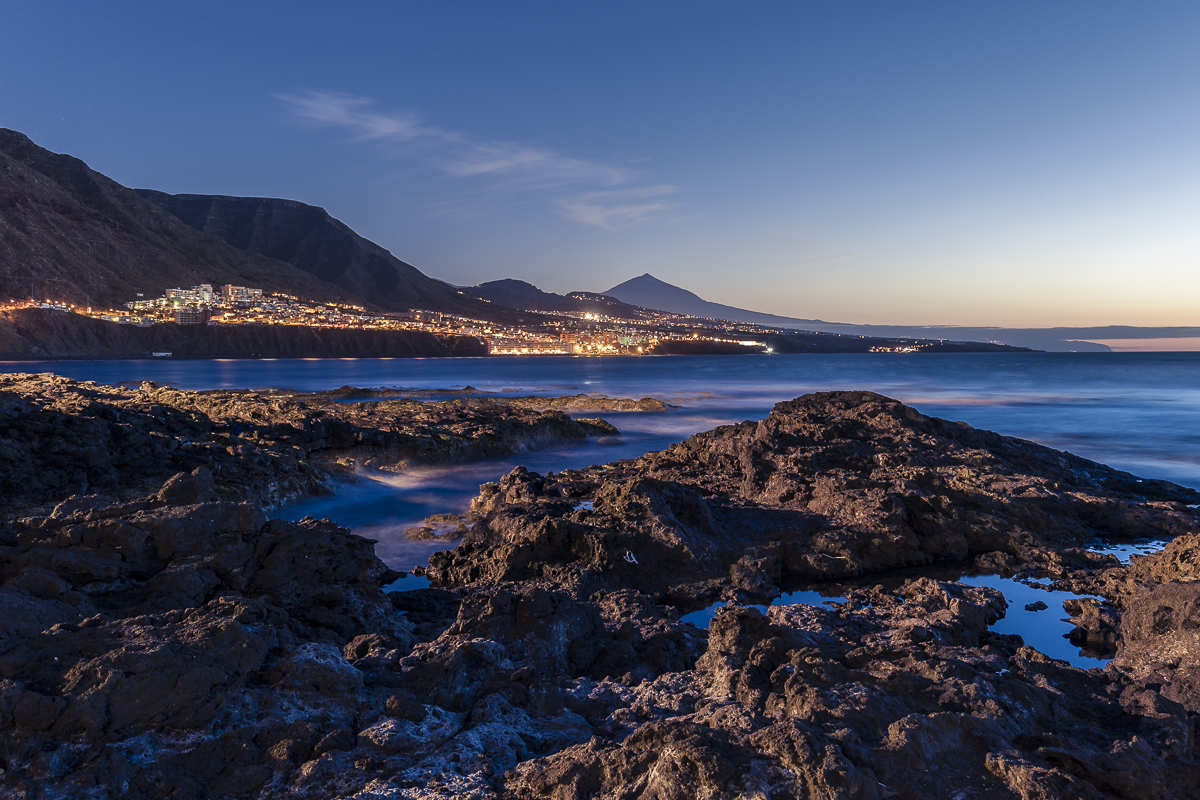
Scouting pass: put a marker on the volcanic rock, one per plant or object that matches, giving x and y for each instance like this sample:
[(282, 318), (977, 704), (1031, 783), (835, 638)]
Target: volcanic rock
[(1160, 641), (829, 485), (60, 437), (160, 647)]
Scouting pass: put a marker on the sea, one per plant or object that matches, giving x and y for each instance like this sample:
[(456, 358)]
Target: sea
[(1138, 412)]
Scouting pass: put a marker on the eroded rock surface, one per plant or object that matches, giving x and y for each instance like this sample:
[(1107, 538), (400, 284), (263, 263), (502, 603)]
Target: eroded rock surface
[(180, 645), (828, 486), (60, 437)]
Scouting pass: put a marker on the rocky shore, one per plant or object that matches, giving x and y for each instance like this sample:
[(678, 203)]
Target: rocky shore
[(179, 644), (60, 437)]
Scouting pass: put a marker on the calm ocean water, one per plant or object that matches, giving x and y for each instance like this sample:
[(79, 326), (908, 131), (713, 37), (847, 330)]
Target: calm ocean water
[(1135, 411)]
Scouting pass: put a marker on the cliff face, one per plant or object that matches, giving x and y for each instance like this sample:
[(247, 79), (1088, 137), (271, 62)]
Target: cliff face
[(67, 232), (308, 238), (37, 334)]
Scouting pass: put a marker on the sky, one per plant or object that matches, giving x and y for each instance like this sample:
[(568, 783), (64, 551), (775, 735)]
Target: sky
[(984, 163)]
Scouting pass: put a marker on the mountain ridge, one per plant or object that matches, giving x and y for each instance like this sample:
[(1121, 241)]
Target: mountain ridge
[(70, 233), (522, 294), (311, 239)]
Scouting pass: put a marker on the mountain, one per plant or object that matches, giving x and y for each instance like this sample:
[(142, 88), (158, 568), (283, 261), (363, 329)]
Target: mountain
[(519, 294), (308, 238), (649, 292), (69, 233)]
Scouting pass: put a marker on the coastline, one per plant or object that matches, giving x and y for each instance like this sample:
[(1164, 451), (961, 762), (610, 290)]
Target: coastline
[(66, 437), (34, 334)]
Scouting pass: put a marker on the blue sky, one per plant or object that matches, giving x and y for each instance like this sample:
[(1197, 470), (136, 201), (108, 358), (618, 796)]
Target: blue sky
[(1013, 163)]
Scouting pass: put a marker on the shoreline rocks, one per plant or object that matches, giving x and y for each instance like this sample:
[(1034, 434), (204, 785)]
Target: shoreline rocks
[(60, 437), (177, 644), (829, 486)]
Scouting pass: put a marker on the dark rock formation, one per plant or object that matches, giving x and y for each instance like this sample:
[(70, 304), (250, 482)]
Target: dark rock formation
[(183, 646), (909, 698), (1097, 626), (568, 403), (828, 486), (59, 438), (198, 638), (1160, 641)]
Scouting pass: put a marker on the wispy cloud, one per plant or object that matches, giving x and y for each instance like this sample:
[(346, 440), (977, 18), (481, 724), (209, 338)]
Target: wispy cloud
[(355, 113), (509, 165), (618, 208)]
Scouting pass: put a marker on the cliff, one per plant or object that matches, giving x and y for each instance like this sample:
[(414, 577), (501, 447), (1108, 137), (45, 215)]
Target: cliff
[(67, 232), (308, 238)]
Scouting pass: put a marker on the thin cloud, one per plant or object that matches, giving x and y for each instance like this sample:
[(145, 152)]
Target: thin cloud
[(511, 166), (497, 158), (620, 208), (348, 111)]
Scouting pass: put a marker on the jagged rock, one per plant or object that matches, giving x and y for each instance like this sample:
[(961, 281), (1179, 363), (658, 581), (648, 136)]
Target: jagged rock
[(1097, 625), (1160, 641), (319, 667), (188, 489), (406, 707), (103, 444), (807, 702), (829, 485), (198, 650)]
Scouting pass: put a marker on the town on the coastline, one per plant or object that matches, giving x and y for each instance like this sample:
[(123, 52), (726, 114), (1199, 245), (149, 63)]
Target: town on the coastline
[(547, 332)]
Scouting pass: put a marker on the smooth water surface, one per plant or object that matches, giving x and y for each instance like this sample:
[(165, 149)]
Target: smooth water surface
[(1134, 411), (1044, 630), (1123, 550)]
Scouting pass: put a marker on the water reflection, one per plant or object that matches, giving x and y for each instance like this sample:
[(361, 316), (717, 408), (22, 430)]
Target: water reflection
[(1044, 630), (1122, 551), (813, 597)]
